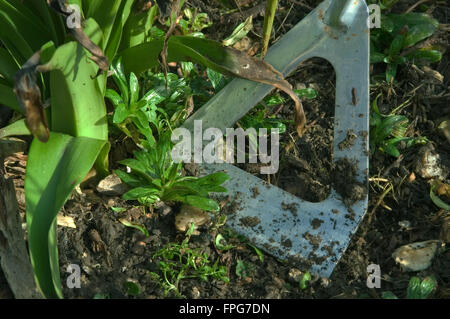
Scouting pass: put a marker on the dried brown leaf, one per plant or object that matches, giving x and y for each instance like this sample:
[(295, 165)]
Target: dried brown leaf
[(29, 98)]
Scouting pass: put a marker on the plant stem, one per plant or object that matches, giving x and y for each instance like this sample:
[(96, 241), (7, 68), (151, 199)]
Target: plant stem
[(271, 8)]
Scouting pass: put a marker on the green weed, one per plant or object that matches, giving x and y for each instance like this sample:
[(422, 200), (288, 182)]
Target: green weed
[(179, 261), (387, 131)]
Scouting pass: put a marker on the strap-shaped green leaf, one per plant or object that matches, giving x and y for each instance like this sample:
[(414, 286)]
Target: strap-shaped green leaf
[(53, 170)]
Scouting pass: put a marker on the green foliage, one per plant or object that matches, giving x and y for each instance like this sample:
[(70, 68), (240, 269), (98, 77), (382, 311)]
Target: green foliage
[(132, 288), (194, 23), (258, 118), (258, 252), (387, 131), (244, 269), (417, 289), (154, 176), (393, 43), (179, 261), (221, 243), (303, 284)]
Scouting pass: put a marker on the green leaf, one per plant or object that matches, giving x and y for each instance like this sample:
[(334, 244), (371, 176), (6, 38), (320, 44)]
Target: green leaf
[(134, 88), (114, 40), (220, 246), (397, 44), (114, 97), (218, 81), (258, 252), (139, 227), (8, 98), (120, 113), (426, 54), (139, 192), (217, 178), (131, 288), (307, 93), (437, 201), (118, 209), (391, 71), (17, 128), (200, 202), (388, 295), (376, 57), (241, 268), (411, 19), (417, 33), (138, 28), (390, 149), (304, 281), (8, 66), (239, 32), (53, 170)]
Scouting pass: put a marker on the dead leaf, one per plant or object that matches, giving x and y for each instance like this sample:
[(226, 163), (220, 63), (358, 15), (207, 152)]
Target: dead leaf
[(61, 7), (29, 98), (239, 64)]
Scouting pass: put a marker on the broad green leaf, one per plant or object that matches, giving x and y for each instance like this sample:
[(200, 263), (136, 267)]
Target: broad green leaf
[(138, 192), (410, 19), (213, 179), (426, 54), (105, 14), (114, 40), (129, 179), (8, 66), (22, 28), (138, 28), (417, 33), (8, 98), (49, 19), (78, 105), (201, 202), (114, 97), (17, 128), (120, 114), (390, 149), (53, 170), (398, 43)]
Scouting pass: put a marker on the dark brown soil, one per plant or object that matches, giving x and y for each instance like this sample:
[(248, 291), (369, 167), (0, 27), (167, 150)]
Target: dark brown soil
[(111, 254)]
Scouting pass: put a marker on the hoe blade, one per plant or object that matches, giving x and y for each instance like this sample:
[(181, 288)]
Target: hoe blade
[(312, 235)]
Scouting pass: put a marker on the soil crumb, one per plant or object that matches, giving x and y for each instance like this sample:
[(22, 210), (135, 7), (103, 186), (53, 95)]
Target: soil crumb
[(345, 183)]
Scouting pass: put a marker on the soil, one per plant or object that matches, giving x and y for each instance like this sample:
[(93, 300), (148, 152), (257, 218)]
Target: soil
[(111, 254)]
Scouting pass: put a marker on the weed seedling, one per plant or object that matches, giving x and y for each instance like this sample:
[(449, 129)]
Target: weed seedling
[(387, 131), (154, 176), (395, 42), (179, 261)]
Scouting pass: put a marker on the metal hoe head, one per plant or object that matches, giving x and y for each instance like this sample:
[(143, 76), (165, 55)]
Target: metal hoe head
[(338, 32)]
